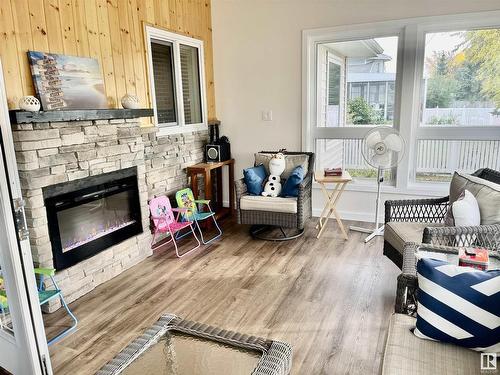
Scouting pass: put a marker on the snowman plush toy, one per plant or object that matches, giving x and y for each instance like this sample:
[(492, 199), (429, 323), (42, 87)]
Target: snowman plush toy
[(276, 168)]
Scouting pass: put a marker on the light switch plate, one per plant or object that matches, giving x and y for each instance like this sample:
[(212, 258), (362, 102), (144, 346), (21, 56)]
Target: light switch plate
[(267, 115)]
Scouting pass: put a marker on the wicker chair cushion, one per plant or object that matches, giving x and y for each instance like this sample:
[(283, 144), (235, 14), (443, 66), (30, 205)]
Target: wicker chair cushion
[(292, 161), (270, 204), (398, 233), (486, 192), (407, 354)]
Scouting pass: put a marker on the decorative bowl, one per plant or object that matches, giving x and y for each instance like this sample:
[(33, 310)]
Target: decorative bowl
[(29, 103), (130, 102)]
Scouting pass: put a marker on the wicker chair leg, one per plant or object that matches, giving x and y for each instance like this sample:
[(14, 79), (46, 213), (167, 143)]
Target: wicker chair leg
[(400, 305), (406, 295), (259, 232)]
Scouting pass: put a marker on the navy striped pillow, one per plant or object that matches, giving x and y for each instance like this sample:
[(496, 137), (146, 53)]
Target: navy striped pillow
[(459, 305)]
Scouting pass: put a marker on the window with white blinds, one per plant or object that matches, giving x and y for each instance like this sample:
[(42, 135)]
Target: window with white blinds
[(177, 81)]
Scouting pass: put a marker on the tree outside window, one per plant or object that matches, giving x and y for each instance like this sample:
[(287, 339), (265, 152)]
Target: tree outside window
[(461, 73)]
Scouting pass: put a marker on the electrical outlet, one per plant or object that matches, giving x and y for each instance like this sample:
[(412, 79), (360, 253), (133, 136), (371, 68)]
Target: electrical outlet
[(267, 115)]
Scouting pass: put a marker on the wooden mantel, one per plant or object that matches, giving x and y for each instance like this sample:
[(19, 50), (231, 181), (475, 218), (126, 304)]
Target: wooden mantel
[(25, 117)]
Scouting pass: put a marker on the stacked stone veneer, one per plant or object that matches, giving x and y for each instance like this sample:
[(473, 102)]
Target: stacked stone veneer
[(53, 153)]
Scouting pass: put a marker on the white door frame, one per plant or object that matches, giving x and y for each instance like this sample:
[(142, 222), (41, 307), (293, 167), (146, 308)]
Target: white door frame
[(335, 58), (26, 351)]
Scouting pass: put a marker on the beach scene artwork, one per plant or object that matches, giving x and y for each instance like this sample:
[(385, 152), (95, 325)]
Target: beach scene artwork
[(67, 82)]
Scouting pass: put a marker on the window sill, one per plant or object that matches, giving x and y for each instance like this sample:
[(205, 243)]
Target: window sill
[(171, 130), (430, 188)]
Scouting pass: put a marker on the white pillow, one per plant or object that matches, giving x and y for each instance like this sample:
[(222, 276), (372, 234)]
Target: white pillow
[(486, 192), (466, 210)]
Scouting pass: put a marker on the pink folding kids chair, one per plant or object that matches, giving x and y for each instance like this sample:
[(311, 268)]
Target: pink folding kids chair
[(164, 221)]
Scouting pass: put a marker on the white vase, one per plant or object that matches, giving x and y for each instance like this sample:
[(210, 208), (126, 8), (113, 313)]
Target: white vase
[(29, 103), (130, 102)]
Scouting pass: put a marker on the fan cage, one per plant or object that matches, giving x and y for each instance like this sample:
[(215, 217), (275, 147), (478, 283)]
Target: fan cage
[(369, 153)]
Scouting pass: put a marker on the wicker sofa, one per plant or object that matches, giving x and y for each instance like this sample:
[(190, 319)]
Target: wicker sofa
[(277, 212), (422, 220)]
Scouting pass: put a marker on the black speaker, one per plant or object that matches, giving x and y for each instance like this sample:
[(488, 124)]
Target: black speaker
[(218, 149), (218, 152)]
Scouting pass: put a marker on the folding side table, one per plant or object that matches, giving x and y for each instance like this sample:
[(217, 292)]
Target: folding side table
[(331, 199)]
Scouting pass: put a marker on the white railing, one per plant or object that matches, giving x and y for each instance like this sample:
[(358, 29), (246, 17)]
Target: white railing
[(433, 156), (340, 152), (443, 156)]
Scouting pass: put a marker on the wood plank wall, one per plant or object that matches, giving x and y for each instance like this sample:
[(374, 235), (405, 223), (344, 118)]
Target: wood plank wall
[(111, 31)]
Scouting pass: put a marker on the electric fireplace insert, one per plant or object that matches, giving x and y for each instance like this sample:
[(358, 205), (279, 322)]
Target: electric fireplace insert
[(89, 215)]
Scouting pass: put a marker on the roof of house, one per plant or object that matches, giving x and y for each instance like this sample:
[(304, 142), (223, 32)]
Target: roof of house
[(357, 48), (381, 56)]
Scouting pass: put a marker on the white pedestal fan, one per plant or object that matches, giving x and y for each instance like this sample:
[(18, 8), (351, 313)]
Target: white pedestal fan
[(383, 149)]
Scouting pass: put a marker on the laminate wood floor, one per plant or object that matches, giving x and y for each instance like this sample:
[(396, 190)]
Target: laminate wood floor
[(330, 299)]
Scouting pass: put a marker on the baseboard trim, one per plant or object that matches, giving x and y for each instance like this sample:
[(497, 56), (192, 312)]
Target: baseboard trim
[(351, 215)]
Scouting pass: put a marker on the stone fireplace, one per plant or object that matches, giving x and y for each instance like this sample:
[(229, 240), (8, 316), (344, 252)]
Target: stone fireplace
[(86, 184)]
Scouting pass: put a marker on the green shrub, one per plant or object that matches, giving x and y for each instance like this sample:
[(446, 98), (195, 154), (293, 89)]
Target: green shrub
[(360, 112), (444, 120)]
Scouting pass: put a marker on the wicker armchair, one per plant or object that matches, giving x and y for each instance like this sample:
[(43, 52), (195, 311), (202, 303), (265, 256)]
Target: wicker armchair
[(427, 218), (263, 219)]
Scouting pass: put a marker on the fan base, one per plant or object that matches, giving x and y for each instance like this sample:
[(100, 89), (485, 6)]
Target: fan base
[(373, 233)]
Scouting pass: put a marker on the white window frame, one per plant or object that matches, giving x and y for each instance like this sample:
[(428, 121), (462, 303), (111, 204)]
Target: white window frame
[(440, 132), (176, 40), (411, 49), (313, 38)]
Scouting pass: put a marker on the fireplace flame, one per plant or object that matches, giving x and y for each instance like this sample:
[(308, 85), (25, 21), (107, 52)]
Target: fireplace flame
[(96, 232)]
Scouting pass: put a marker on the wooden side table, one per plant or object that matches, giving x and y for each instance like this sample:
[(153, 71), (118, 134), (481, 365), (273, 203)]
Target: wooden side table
[(207, 169), (331, 199)]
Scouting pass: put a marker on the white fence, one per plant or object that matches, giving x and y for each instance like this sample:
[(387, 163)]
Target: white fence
[(460, 116), (433, 156), (443, 156)]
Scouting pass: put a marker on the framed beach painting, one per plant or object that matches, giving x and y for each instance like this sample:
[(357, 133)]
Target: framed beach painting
[(67, 82)]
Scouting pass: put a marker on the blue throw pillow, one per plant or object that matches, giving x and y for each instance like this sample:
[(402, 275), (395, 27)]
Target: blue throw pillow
[(291, 185), (459, 305), (254, 179)]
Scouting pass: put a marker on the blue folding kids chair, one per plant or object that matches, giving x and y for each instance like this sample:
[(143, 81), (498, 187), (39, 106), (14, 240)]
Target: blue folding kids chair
[(185, 199), (44, 296)]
